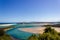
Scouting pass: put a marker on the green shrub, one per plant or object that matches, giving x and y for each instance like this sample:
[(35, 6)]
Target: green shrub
[(49, 34), (50, 30), (59, 34), (2, 32), (4, 36), (33, 37)]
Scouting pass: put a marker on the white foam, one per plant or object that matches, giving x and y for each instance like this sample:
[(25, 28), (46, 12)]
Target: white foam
[(6, 24)]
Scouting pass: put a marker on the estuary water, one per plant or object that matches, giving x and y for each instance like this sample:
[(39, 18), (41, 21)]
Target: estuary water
[(19, 34)]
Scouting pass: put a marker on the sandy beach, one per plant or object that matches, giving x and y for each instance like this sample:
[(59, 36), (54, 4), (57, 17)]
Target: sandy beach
[(37, 29), (6, 24)]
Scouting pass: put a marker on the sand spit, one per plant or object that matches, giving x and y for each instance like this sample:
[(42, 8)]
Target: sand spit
[(6, 24), (37, 29)]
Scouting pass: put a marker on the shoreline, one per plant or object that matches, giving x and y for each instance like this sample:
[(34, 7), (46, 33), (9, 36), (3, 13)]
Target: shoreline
[(6, 24), (37, 29)]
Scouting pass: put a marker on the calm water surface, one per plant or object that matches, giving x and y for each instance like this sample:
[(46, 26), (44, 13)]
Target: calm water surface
[(19, 34)]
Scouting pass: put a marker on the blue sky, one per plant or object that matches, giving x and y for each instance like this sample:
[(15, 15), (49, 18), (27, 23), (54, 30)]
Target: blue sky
[(29, 10)]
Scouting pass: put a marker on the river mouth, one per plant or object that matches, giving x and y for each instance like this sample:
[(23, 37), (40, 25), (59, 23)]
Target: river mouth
[(24, 31), (17, 33)]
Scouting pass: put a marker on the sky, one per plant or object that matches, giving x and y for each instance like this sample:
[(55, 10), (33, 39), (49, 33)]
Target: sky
[(29, 10)]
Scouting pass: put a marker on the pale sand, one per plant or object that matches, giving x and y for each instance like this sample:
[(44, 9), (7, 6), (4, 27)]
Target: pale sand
[(6, 24), (37, 29)]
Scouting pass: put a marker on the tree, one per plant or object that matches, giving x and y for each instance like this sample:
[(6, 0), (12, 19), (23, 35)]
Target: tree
[(50, 30), (1, 32), (4, 36)]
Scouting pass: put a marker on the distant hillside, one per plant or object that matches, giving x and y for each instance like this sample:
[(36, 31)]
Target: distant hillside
[(35, 22), (26, 22)]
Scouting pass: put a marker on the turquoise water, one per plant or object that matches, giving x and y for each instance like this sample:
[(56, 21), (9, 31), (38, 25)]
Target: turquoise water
[(18, 34)]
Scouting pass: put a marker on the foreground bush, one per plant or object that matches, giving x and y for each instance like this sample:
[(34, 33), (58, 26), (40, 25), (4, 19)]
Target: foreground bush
[(1, 32), (50, 30), (33, 37), (4, 36), (49, 34)]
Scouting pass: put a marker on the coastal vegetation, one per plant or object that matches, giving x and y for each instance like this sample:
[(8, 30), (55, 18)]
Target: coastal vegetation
[(48, 34), (4, 36), (55, 25)]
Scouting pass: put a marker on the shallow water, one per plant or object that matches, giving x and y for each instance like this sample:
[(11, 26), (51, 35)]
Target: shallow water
[(19, 34)]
